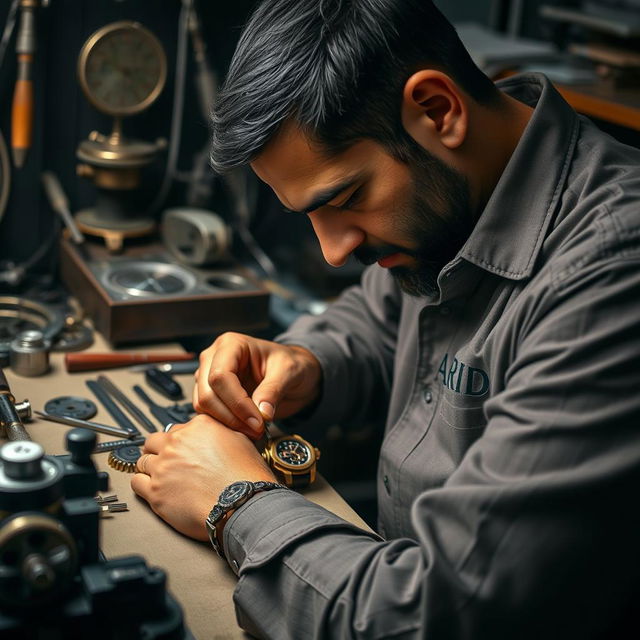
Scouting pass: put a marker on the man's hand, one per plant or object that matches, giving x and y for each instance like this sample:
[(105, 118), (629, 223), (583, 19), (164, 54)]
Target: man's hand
[(242, 380), (183, 472)]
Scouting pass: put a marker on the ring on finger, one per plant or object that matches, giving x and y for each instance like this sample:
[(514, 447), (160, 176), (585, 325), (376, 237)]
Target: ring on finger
[(142, 463)]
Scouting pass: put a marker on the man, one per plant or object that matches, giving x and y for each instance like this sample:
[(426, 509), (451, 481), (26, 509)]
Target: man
[(498, 331)]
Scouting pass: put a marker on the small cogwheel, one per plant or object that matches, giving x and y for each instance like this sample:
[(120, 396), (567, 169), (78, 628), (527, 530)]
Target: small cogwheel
[(125, 458)]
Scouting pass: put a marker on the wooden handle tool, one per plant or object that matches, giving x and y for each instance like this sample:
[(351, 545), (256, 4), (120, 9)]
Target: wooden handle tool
[(93, 361)]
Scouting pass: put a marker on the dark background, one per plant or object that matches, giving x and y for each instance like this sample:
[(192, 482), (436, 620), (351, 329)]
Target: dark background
[(63, 117)]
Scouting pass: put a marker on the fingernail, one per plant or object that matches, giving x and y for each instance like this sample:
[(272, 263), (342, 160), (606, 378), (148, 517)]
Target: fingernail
[(254, 423), (267, 410)]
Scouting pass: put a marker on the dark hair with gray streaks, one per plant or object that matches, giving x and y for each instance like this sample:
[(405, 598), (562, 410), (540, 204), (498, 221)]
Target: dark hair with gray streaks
[(337, 68)]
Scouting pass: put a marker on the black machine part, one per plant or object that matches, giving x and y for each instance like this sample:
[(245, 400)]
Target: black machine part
[(52, 584), (38, 559), (71, 406), (163, 383)]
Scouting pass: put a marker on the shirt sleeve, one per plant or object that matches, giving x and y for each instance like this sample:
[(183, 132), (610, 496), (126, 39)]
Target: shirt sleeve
[(535, 535), (354, 341)]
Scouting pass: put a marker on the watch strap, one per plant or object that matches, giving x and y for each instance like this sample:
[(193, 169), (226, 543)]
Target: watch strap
[(221, 510), (301, 480)]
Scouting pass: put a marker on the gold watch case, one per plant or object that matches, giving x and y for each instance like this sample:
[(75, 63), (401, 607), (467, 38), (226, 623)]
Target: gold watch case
[(292, 458)]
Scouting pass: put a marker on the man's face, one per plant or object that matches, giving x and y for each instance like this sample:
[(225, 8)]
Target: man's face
[(410, 218)]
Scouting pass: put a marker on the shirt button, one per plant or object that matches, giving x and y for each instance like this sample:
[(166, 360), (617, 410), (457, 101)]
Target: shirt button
[(445, 311), (235, 565), (385, 479), (428, 396)]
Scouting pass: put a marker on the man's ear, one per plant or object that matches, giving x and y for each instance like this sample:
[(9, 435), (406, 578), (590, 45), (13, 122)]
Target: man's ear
[(434, 109)]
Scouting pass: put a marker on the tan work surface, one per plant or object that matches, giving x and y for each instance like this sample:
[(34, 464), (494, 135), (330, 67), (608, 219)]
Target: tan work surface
[(201, 582)]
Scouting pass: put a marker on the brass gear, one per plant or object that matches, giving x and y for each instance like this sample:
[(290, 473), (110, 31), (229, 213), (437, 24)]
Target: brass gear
[(125, 458)]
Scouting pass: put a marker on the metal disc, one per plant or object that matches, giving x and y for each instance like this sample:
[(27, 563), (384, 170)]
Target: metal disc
[(146, 279), (72, 407)]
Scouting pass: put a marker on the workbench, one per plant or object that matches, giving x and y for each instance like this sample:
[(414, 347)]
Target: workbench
[(201, 582)]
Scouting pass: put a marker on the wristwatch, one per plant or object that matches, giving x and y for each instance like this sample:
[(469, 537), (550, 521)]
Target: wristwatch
[(232, 497), (292, 459)]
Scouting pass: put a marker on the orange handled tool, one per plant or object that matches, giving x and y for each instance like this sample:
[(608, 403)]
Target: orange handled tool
[(93, 361), (22, 108)]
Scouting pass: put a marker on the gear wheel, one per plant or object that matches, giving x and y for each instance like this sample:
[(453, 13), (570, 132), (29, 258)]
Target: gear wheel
[(125, 458)]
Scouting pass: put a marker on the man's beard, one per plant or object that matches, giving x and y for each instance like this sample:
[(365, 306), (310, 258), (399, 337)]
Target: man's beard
[(438, 216)]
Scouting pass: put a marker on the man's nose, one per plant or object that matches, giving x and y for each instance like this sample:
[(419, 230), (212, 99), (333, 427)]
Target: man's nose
[(337, 236)]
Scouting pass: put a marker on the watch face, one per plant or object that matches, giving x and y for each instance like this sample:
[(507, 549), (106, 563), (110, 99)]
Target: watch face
[(233, 493), (292, 452)]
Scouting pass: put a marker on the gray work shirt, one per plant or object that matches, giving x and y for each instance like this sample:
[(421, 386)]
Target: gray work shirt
[(510, 467)]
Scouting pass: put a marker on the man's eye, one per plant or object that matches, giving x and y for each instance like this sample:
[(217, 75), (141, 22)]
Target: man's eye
[(354, 198)]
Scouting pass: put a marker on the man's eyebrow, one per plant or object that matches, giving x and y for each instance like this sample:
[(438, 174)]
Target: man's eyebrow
[(327, 195)]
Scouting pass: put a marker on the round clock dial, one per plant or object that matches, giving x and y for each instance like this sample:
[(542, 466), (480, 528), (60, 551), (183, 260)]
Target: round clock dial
[(293, 452), (122, 68)]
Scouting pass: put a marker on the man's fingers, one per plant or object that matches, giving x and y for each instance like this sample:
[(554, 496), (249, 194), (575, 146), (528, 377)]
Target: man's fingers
[(216, 408), (154, 442), (228, 401), (280, 375), (145, 463), (266, 397), (141, 485)]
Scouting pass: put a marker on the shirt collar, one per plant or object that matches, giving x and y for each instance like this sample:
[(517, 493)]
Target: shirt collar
[(509, 233)]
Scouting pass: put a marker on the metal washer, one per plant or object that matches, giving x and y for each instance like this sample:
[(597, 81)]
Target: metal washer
[(71, 407)]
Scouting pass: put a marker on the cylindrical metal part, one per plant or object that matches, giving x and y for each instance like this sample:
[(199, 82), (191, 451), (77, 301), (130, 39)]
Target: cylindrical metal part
[(10, 423), (23, 409), (38, 572), (60, 204), (22, 460), (29, 481), (26, 36), (29, 353)]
